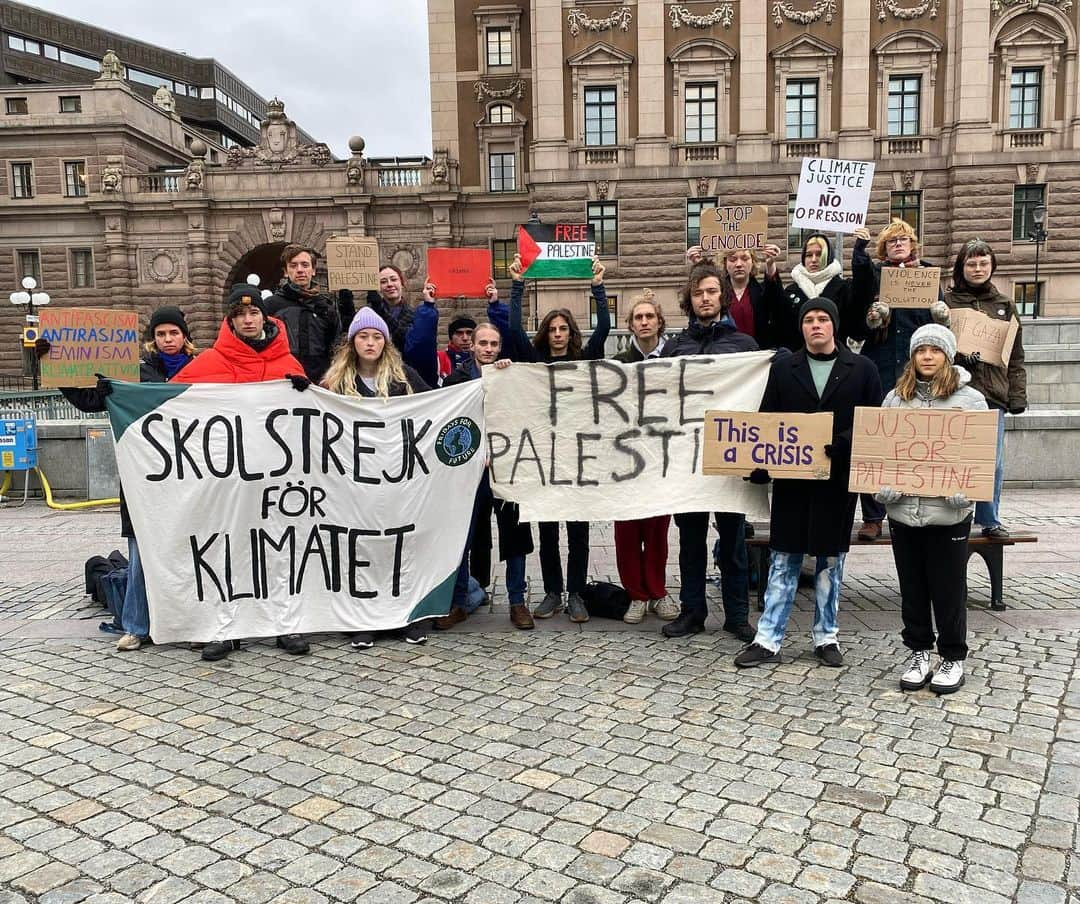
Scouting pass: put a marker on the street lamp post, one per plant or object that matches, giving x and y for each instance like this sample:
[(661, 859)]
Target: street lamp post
[(30, 298), (1038, 236)]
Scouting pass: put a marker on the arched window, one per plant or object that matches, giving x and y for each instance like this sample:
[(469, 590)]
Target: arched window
[(499, 114)]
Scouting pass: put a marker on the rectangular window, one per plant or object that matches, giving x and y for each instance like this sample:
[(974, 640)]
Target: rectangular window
[(907, 206), (499, 47), (52, 51), (22, 180), (796, 238), (904, 94), (613, 309), (1025, 199), (16, 43), (600, 128), (501, 172), (82, 268), (1025, 97), (29, 265), (75, 178), (16, 106), (1024, 296), (71, 104), (701, 112), (603, 216), (77, 59), (502, 256), (800, 114), (693, 218)]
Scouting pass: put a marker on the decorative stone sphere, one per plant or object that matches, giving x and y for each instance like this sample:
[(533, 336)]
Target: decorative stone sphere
[(198, 148), (356, 144)]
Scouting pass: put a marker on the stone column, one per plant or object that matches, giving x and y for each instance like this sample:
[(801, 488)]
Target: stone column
[(549, 150), (754, 143), (652, 146), (121, 278), (442, 53), (974, 91), (856, 132)]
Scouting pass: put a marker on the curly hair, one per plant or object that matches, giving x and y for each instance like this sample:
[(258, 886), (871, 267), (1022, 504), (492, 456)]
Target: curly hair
[(700, 271), (896, 229), (540, 340)]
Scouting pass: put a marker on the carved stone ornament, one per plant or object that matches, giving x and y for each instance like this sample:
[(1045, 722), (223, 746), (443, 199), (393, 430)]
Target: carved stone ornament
[(1032, 173), (601, 190), (908, 178), (440, 167), (906, 12), (578, 21), (164, 100), (721, 15), (997, 7), (112, 178), (407, 259), (162, 265), (111, 68), (195, 175), (277, 224), (484, 90), (822, 9), (354, 172), (279, 144), (702, 186)]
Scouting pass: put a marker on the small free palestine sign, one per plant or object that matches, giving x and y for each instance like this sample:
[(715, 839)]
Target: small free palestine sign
[(559, 251)]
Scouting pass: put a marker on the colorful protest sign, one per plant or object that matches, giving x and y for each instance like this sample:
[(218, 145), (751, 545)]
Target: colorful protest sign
[(978, 332), (924, 451), (785, 445), (560, 251), (604, 441), (725, 229), (352, 263), (833, 194), (270, 514), (909, 287), (85, 342), (459, 271)]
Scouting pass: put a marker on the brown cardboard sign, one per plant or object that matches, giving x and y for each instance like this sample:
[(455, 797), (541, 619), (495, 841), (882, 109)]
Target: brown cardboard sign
[(733, 228), (978, 332), (786, 445), (909, 287), (924, 451), (85, 342), (352, 263)]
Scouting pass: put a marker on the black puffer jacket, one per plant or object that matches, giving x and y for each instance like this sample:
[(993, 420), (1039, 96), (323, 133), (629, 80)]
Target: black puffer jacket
[(312, 323), (718, 338)]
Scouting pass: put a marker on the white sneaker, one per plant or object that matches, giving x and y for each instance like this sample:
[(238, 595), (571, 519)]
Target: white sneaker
[(636, 613), (948, 678), (667, 609), (918, 671), (128, 642)]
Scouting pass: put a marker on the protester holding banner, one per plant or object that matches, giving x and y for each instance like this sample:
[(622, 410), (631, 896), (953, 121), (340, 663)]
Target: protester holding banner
[(1005, 387), (458, 350), (711, 331), (312, 320), (515, 538), (167, 350), (885, 333), (812, 517), (558, 338), (641, 545), (413, 331), (930, 534)]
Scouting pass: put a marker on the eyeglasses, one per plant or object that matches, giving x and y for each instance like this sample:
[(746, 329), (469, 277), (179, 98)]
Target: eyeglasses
[(898, 240)]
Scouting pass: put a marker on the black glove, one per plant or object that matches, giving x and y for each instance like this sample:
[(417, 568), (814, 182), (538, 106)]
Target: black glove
[(346, 306), (1018, 409), (829, 449), (779, 355), (41, 347), (299, 381), (104, 384), (969, 360), (759, 476)]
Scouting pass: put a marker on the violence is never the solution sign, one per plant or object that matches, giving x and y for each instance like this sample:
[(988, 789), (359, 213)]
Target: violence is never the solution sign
[(833, 194)]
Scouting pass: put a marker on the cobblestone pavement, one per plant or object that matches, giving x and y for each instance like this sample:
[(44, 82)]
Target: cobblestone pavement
[(599, 764)]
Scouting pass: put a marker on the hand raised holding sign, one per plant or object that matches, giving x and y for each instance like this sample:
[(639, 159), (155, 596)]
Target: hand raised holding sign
[(515, 268), (771, 252), (491, 291), (862, 234), (429, 293), (694, 255), (597, 272)]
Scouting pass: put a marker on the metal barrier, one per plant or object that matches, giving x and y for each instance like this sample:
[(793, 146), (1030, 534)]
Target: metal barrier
[(44, 405)]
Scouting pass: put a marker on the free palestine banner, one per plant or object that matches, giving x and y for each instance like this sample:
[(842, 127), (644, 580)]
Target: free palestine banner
[(263, 511), (560, 251), (608, 442)]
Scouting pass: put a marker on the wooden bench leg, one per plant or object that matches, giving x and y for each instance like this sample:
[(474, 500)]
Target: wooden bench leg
[(994, 557)]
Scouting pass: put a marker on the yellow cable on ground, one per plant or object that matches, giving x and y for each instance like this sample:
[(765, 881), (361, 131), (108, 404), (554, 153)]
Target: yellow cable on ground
[(6, 485), (68, 506)]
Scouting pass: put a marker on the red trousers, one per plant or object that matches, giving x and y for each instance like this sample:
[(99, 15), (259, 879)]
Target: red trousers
[(641, 550)]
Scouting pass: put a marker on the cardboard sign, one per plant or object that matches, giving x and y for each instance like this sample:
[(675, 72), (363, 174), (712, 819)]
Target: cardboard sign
[(352, 263), (785, 445), (833, 194), (910, 287), (459, 271), (924, 451), (725, 229), (559, 251), (977, 332), (85, 342)]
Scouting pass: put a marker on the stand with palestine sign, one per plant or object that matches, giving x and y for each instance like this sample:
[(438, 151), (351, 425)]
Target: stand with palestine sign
[(561, 251)]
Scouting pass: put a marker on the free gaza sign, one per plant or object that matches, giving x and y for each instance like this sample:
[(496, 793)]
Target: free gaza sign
[(833, 194)]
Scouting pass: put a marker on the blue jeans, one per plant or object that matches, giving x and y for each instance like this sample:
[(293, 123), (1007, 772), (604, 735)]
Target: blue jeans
[(135, 618), (515, 579), (780, 596), (986, 513)]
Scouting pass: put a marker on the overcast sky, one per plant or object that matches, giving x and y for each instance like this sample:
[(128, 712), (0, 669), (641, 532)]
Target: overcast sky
[(343, 67)]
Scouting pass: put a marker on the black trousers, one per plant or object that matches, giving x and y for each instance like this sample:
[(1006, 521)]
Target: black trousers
[(731, 559), (931, 563), (480, 551), (577, 556), (872, 510)]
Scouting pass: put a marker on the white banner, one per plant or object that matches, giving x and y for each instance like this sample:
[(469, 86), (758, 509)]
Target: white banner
[(603, 441), (261, 511), (833, 194)]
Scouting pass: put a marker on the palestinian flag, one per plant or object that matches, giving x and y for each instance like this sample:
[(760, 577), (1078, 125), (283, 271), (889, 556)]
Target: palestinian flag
[(560, 251)]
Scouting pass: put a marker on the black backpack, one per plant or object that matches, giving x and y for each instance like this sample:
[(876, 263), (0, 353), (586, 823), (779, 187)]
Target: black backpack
[(604, 600)]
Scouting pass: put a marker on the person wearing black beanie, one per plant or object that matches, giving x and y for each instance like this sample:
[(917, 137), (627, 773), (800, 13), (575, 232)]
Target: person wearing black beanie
[(168, 314), (243, 294)]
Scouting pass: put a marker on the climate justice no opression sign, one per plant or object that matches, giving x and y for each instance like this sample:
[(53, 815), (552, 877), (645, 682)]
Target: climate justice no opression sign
[(559, 251), (833, 194)]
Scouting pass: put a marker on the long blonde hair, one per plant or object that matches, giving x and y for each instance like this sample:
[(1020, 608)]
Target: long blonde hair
[(342, 374), (946, 381), (189, 347)]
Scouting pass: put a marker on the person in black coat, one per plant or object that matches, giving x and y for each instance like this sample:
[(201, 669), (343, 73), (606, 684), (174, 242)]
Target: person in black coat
[(811, 517)]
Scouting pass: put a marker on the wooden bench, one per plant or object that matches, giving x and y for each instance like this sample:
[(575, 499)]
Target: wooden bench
[(990, 549)]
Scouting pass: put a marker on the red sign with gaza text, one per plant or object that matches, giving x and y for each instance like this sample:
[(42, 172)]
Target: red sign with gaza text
[(459, 271)]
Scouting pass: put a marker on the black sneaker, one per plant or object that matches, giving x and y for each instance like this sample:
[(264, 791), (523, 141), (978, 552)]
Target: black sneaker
[(362, 640), (830, 655), (294, 644), (212, 652), (744, 632), (996, 532), (687, 623), (416, 632), (753, 655)]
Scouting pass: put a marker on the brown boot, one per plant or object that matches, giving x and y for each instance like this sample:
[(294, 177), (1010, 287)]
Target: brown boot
[(455, 617), (871, 530), (521, 617)]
